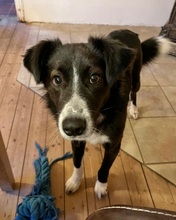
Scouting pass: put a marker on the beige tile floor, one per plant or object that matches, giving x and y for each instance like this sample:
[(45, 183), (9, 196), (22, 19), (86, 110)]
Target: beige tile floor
[(152, 138)]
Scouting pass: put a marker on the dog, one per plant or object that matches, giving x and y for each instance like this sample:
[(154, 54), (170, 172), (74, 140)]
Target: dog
[(89, 86)]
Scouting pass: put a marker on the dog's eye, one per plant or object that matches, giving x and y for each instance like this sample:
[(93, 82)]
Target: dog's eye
[(57, 80), (95, 79)]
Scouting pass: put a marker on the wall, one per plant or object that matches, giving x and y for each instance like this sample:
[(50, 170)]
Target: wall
[(113, 12)]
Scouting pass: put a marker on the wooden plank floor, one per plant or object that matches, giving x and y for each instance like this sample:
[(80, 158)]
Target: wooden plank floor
[(24, 120)]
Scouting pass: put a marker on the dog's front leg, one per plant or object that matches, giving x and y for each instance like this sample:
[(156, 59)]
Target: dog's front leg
[(74, 181), (109, 157)]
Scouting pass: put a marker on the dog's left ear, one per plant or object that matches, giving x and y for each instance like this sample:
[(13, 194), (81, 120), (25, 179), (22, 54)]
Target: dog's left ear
[(117, 57)]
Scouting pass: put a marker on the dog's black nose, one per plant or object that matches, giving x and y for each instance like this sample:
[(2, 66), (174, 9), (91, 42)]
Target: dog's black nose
[(74, 126)]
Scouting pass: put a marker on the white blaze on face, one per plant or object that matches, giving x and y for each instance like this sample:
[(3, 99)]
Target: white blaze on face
[(76, 107)]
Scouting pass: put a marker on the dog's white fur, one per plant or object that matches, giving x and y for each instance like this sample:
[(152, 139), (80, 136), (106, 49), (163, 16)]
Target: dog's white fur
[(97, 138), (74, 181), (100, 189), (165, 45), (133, 110)]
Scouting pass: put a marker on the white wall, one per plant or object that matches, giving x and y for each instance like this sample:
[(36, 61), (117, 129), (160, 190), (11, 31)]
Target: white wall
[(113, 12)]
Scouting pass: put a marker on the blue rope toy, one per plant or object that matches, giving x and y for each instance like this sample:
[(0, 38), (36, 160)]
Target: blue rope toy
[(39, 204)]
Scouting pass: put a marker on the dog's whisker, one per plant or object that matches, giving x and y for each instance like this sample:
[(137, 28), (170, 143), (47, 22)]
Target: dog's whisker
[(106, 109), (94, 111), (97, 131), (52, 139), (51, 129)]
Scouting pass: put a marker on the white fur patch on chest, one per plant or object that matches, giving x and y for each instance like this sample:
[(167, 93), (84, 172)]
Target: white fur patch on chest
[(97, 138)]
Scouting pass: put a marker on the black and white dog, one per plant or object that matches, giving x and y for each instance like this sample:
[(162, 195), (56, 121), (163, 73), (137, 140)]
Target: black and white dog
[(88, 88)]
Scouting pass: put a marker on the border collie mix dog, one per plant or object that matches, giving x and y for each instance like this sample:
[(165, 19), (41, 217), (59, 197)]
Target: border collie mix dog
[(88, 88)]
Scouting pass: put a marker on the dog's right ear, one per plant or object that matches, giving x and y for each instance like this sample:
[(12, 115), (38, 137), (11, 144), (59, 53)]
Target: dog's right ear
[(36, 58)]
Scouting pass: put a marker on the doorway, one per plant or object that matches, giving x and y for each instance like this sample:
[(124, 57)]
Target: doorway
[(7, 8)]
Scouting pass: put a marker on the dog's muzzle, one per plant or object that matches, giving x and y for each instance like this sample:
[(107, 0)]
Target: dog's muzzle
[(73, 126), (75, 122)]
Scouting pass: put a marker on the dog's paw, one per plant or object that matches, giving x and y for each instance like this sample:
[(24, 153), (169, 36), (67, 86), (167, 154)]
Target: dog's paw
[(133, 111), (74, 181), (72, 185), (100, 189)]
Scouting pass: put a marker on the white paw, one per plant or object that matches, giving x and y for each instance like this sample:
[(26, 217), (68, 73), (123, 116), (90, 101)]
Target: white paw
[(100, 189), (133, 111), (74, 181)]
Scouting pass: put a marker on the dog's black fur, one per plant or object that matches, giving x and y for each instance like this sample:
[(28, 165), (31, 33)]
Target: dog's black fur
[(109, 72)]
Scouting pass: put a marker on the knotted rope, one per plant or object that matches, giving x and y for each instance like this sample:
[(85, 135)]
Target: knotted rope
[(39, 204)]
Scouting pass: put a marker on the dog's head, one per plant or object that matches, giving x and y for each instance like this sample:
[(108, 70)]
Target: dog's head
[(78, 79)]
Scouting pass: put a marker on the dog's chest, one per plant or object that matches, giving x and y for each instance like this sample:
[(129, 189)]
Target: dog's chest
[(97, 138)]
